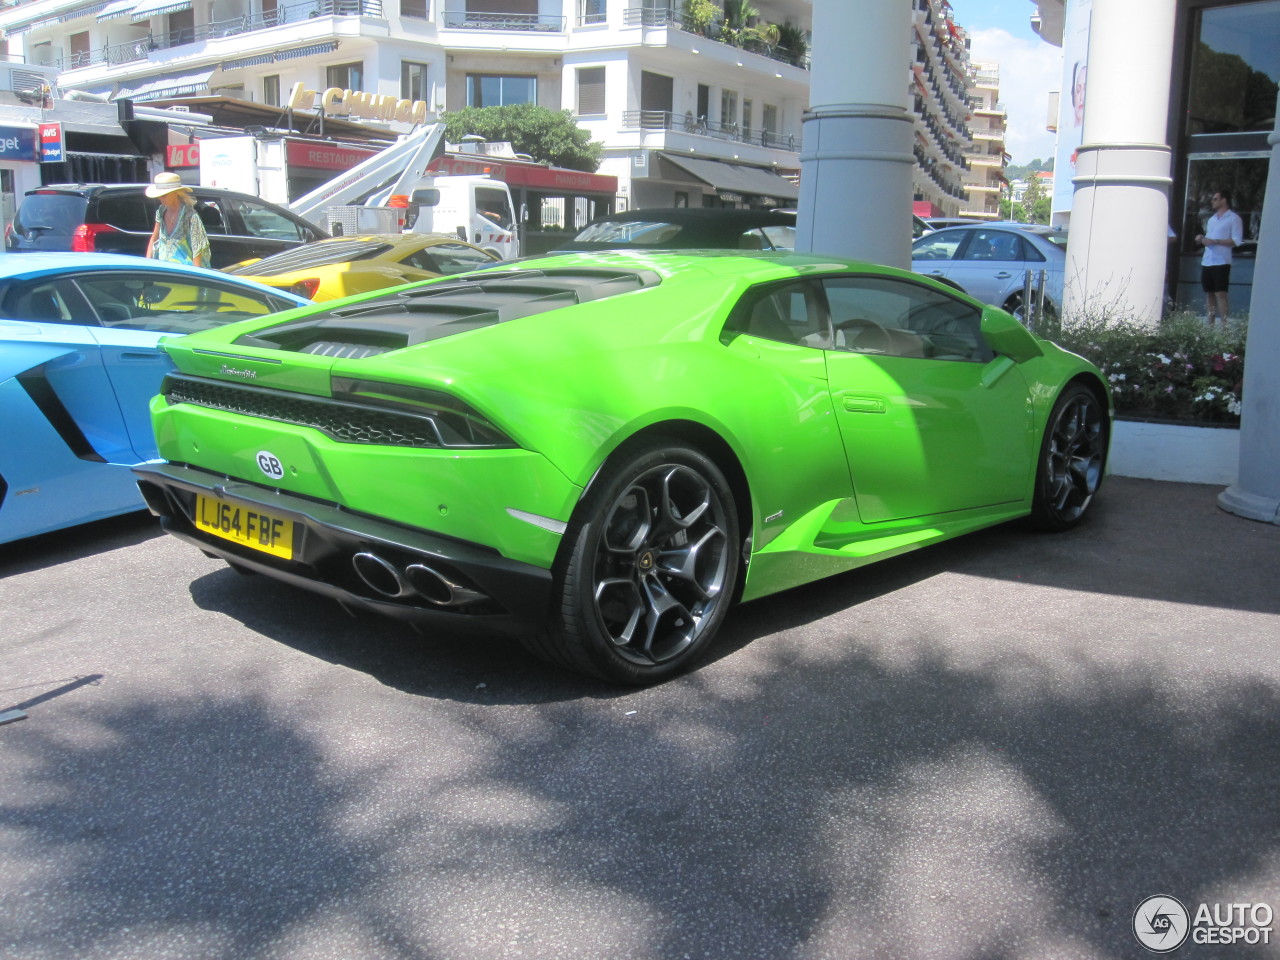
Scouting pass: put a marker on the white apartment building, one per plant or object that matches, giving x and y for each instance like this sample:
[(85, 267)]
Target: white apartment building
[(698, 102), (985, 178), (941, 77), (690, 113)]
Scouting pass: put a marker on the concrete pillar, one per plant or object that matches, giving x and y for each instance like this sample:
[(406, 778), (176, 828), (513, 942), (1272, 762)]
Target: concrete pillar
[(1120, 212), (1256, 493), (856, 162)]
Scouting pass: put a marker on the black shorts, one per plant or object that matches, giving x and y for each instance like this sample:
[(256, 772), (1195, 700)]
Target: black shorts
[(1215, 279)]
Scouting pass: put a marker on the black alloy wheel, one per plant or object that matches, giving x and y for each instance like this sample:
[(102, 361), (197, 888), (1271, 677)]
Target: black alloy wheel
[(1072, 459), (652, 565)]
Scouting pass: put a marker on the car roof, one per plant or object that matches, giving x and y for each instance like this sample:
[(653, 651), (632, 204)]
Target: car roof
[(89, 189), (703, 215)]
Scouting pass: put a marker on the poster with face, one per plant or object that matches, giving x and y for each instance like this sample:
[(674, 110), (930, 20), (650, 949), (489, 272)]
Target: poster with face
[(1071, 103)]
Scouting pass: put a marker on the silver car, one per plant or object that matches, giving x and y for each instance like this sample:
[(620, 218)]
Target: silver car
[(990, 261)]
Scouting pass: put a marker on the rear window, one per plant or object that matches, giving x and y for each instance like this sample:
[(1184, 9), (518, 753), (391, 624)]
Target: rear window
[(54, 214)]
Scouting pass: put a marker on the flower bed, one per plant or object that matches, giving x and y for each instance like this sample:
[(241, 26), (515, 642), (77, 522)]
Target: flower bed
[(1178, 372)]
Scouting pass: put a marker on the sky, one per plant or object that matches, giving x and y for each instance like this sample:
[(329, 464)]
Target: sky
[(1000, 32)]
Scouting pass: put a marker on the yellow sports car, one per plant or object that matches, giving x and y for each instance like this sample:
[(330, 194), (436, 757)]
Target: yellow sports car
[(342, 266)]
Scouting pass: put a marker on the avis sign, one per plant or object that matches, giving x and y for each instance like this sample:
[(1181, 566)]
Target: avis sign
[(51, 148)]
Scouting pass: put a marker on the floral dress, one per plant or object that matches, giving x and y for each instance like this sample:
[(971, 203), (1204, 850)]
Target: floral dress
[(187, 241)]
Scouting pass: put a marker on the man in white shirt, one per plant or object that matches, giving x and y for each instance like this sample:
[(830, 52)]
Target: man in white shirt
[(1223, 233)]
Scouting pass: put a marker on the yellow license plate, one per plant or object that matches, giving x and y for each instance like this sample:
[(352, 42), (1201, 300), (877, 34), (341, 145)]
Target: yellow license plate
[(246, 525)]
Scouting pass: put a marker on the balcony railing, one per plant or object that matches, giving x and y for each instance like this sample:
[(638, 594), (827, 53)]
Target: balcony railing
[(526, 22), (665, 120), (290, 13)]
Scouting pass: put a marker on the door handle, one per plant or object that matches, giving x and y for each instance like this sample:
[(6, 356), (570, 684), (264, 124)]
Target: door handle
[(139, 357), (1003, 275), (865, 404)]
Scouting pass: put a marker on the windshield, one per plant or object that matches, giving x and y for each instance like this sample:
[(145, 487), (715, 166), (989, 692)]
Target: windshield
[(312, 255), (647, 232)]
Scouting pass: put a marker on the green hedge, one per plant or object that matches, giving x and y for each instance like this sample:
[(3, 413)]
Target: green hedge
[(1180, 370)]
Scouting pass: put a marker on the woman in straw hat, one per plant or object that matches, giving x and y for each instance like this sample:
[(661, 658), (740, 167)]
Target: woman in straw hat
[(179, 235)]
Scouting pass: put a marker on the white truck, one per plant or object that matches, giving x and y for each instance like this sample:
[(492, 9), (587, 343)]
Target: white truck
[(392, 191)]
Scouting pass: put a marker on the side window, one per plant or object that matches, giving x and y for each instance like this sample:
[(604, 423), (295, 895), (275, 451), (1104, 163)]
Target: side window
[(128, 211), (937, 246), (42, 302), (212, 217), (788, 313), (779, 237), (171, 302), (261, 221), (993, 245), (898, 318), (448, 258)]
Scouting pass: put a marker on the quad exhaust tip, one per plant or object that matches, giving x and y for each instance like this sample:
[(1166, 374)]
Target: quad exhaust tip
[(390, 581)]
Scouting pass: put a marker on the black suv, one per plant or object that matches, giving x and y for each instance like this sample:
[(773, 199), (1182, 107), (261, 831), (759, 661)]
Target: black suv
[(119, 217)]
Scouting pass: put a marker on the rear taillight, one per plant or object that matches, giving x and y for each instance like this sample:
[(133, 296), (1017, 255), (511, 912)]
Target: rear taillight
[(305, 288), (85, 237)]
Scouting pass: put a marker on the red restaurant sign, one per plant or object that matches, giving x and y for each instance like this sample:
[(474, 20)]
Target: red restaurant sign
[(325, 156)]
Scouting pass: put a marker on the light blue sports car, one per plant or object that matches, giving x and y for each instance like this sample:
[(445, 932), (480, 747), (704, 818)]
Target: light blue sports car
[(79, 363)]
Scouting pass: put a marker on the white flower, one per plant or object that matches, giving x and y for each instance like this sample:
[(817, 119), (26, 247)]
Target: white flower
[(1233, 406)]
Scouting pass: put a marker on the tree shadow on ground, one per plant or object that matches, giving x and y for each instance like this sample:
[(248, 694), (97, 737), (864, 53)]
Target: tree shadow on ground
[(829, 807)]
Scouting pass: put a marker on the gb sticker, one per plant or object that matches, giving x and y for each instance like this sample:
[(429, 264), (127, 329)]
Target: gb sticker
[(269, 464)]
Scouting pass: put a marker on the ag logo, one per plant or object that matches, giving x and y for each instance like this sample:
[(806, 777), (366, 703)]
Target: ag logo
[(269, 464), (1161, 924)]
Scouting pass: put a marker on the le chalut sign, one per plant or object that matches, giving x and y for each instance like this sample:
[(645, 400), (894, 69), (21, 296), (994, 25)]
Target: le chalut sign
[(336, 102)]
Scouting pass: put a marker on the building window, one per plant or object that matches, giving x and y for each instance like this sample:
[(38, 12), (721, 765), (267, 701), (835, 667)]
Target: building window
[(414, 8), (747, 110), (182, 27), (78, 48), (591, 11), (489, 90), (271, 90), (590, 91), (657, 98), (1232, 65), (729, 107), (345, 76), (769, 118), (413, 81)]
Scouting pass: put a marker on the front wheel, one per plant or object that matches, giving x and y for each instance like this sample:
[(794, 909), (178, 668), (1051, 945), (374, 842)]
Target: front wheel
[(1072, 459), (652, 560)]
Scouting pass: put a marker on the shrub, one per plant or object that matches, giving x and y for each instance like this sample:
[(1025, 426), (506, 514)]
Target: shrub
[(1180, 370)]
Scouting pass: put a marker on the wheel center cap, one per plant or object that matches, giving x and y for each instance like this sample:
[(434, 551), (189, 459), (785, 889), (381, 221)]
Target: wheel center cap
[(646, 561)]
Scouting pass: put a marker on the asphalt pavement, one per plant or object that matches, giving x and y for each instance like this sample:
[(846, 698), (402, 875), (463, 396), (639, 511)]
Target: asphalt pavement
[(992, 748)]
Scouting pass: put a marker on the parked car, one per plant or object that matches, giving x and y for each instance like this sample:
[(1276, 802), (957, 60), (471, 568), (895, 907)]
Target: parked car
[(990, 261), (119, 217), (603, 451), (685, 228), (343, 266), (79, 364)]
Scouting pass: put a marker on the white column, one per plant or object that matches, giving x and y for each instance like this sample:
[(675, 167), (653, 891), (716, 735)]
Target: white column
[(855, 165), (1120, 212), (1256, 494)]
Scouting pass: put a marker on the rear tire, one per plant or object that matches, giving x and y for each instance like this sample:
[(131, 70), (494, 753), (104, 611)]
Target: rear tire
[(1072, 459), (650, 565)]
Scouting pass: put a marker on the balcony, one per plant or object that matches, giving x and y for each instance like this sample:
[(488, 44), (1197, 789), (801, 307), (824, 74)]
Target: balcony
[(673, 19), (665, 120), (521, 22), (140, 49)]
